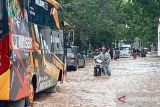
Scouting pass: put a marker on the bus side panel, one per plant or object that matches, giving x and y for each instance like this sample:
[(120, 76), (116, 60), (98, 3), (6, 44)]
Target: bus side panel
[(19, 84), (21, 43), (47, 73), (4, 86)]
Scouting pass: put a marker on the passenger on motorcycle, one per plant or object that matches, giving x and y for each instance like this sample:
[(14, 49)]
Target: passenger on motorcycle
[(104, 56)]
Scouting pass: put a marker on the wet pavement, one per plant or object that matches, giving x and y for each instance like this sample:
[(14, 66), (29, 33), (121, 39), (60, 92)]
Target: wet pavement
[(82, 89)]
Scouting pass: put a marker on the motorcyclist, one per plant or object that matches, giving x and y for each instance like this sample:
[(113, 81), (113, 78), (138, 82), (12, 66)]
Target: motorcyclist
[(105, 57)]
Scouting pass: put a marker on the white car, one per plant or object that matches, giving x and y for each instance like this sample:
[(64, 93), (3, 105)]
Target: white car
[(125, 51)]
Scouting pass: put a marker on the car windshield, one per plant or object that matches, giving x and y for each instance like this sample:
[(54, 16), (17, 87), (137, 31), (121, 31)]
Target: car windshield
[(69, 50), (124, 48)]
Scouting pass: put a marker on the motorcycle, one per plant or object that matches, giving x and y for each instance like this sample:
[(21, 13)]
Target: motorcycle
[(143, 53), (99, 68)]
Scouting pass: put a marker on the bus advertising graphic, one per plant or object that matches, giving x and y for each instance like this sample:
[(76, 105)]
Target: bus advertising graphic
[(31, 49)]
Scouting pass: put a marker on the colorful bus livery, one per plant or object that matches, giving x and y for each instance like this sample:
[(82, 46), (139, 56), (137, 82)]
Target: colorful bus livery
[(31, 49), (22, 42)]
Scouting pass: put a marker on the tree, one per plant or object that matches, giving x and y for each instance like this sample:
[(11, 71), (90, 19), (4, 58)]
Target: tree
[(100, 20), (142, 16)]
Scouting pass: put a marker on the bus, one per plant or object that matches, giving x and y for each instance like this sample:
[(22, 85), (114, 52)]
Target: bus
[(31, 50)]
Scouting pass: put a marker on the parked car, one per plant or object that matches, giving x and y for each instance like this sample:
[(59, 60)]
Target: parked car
[(75, 58)]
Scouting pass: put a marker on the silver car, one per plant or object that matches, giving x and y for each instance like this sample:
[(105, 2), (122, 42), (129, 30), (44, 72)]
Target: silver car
[(75, 59)]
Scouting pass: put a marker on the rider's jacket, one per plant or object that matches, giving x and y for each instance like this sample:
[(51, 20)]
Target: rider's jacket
[(105, 57)]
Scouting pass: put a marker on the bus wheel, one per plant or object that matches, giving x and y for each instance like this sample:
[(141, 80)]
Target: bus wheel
[(29, 99)]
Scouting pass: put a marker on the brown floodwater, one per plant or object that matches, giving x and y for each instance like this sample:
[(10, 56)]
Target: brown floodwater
[(82, 89)]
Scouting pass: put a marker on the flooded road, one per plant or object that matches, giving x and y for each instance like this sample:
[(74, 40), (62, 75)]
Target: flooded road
[(82, 89)]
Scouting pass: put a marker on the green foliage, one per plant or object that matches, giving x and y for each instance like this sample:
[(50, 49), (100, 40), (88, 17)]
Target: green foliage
[(95, 21), (98, 22), (143, 15)]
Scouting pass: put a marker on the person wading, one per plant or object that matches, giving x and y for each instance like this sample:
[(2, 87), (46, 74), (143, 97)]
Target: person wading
[(105, 57)]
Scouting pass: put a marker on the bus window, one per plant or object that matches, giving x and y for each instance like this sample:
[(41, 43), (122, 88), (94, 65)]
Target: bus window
[(1, 14), (1, 9), (39, 13), (3, 19)]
